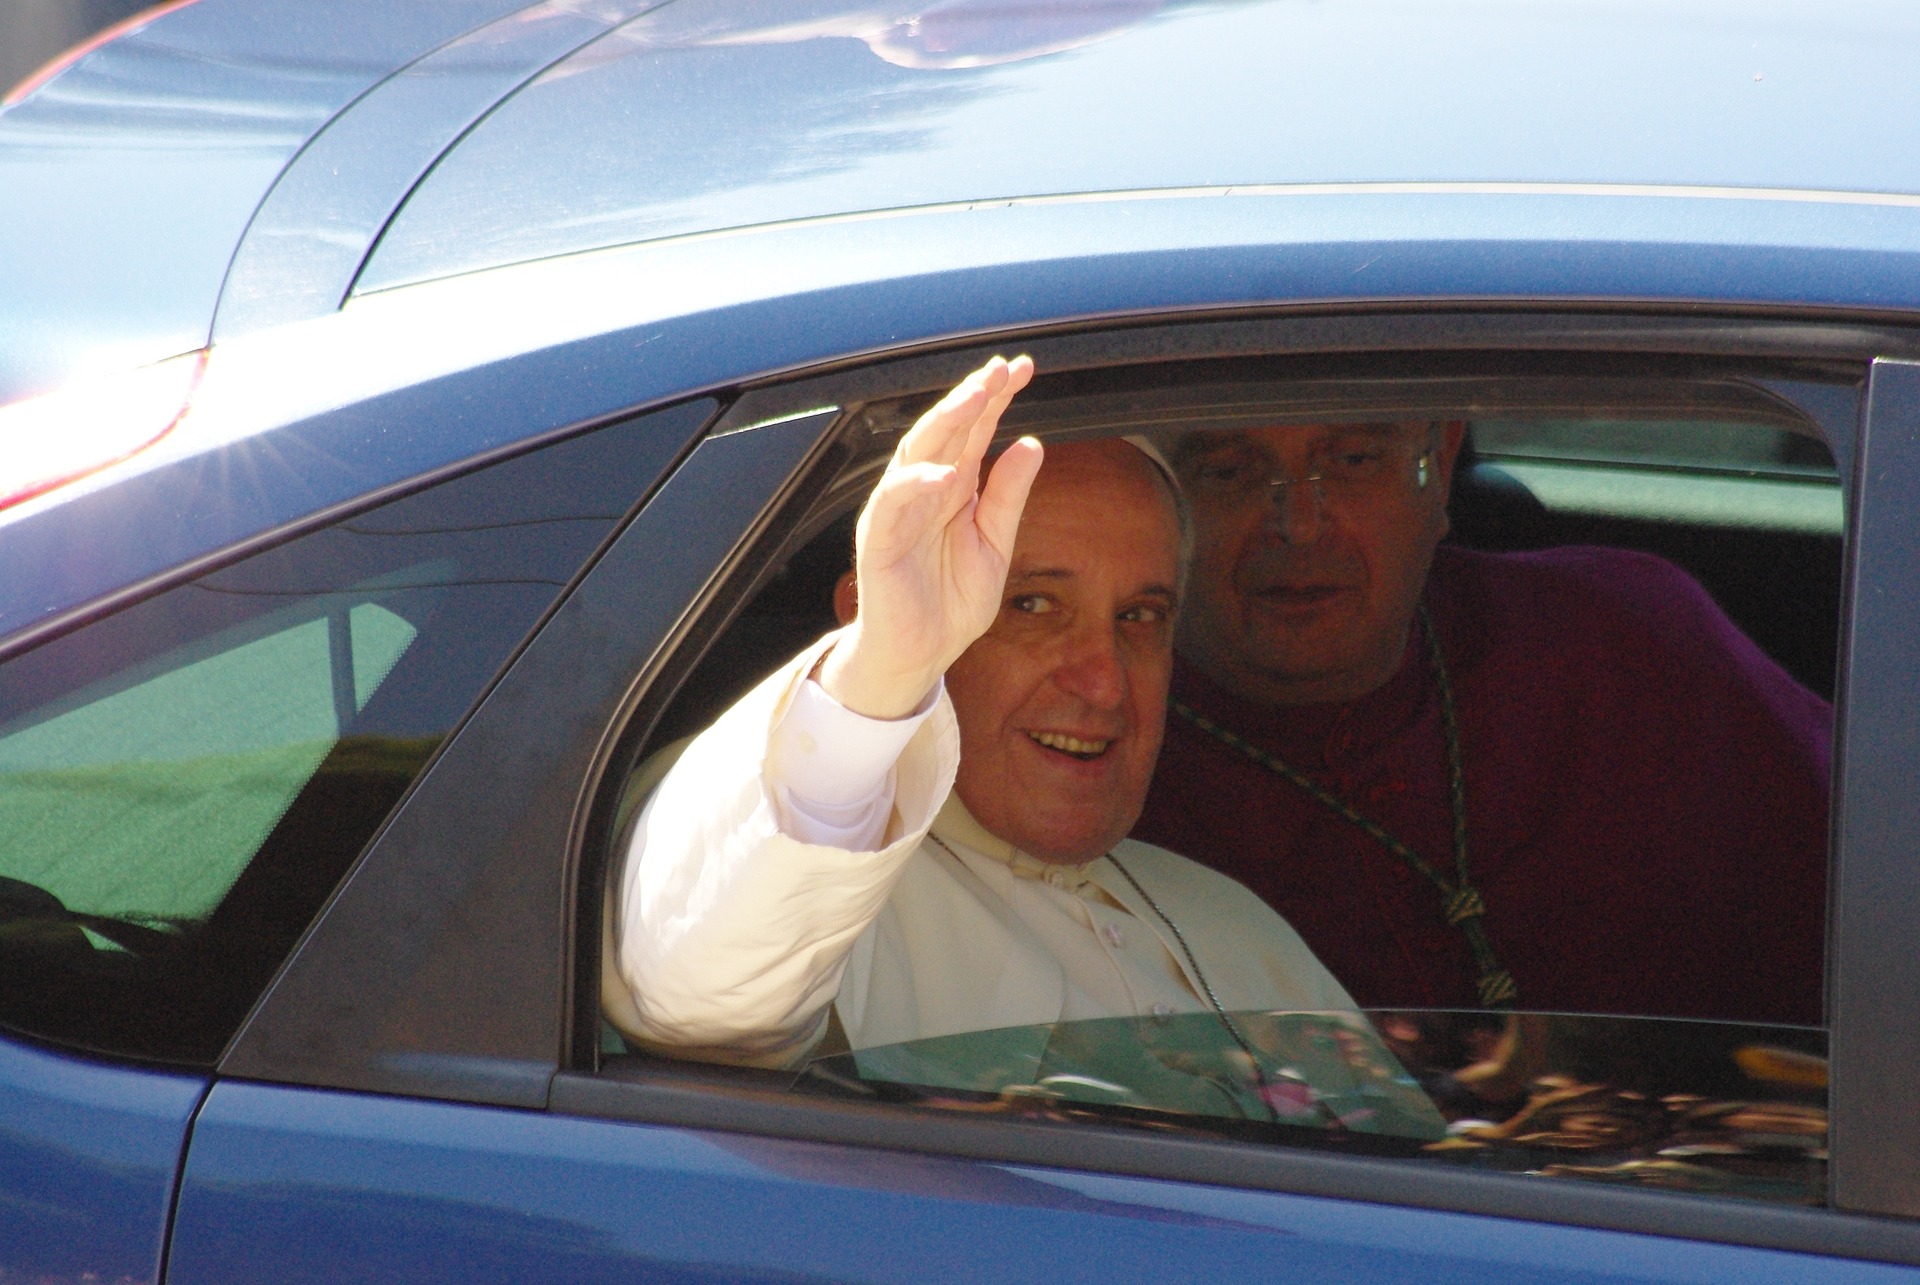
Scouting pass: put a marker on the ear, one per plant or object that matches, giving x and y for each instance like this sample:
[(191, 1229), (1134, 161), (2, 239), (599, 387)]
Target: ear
[(1453, 434), (846, 598)]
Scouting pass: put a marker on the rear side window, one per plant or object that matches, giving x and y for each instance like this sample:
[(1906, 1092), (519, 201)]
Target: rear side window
[(126, 810), (182, 784), (1628, 622)]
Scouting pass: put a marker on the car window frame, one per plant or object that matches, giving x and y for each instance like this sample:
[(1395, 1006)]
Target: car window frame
[(697, 1097), (1873, 905)]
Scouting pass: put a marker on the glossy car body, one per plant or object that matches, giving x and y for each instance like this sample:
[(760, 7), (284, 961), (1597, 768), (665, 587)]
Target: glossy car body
[(420, 241)]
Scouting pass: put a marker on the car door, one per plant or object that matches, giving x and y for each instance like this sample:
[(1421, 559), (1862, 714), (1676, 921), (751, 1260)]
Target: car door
[(421, 1097)]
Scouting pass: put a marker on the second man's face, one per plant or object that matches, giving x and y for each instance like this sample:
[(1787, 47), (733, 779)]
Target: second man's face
[(1062, 702), (1314, 543)]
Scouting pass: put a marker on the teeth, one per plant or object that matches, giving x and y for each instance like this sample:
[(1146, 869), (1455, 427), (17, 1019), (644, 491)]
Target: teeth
[(1070, 744)]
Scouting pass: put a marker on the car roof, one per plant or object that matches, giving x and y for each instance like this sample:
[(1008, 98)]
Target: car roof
[(132, 175), (235, 165), (707, 115)]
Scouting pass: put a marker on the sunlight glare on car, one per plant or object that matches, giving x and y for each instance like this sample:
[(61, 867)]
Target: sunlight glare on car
[(59, 437)]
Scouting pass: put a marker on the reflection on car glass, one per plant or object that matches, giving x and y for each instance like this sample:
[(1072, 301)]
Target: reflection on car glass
[(183, 782), (1697, 474), (1324, 1070), (220, 738), (1708, 1107)]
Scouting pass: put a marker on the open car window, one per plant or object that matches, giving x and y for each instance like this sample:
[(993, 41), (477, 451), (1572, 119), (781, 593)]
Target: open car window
[(1721, 489)]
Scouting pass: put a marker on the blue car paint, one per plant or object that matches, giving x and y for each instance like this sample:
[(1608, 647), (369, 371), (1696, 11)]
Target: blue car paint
[(88, 1156), (700, 115), (310, 236), (406, 381), (328, 1186), (145, 160)]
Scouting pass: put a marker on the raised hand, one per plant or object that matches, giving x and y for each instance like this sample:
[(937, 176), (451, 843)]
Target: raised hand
[(932, 548)]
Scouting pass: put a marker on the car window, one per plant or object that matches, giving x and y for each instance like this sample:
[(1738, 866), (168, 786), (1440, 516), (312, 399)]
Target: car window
[(1746, 509), (1717, 539), (145, 801), (182, 783)]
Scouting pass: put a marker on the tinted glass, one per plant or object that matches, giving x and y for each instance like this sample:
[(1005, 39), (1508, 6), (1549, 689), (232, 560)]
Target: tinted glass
[(1700, 474), (1754, 512), (1707, 1107), (183, 783)]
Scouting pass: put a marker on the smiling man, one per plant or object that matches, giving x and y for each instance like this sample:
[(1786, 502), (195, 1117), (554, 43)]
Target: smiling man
[(1557, 780), (919, 823)]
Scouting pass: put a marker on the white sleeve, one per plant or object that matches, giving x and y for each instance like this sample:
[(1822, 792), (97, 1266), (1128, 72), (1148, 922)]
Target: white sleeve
[(830, 770), (730, 935)]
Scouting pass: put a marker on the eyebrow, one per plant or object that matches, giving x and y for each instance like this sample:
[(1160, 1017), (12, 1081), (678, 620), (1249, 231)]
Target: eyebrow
[(1062, 573)]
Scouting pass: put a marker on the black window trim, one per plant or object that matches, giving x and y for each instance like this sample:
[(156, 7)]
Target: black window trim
[(703, 410), (1873, 973)]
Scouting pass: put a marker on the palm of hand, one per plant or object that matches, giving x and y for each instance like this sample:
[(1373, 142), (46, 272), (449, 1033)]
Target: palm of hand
[(932, 549)]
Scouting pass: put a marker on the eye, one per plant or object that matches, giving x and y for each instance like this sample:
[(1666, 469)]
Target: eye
[(1147, 613), (1356, 461), (1033, 604), (1221, 472)]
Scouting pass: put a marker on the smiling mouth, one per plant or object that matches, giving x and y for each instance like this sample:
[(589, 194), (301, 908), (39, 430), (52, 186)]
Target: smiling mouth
[(1298, 590), (1072, 746), (1298, 593)]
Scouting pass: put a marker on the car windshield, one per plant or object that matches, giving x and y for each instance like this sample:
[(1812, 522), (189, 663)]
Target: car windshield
[(1718, 1108)]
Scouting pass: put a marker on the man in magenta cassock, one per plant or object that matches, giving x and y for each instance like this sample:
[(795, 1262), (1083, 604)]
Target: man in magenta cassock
[(1560, 780)]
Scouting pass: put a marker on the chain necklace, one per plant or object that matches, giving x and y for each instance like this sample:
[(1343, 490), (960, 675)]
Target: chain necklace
[(1226, 1019), (1460, 901)]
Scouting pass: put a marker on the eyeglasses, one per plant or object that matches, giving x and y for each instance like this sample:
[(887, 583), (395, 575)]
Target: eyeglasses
[(1363, 467)]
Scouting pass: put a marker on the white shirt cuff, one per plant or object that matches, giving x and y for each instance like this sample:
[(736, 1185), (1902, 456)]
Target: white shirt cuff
[(830, 770)]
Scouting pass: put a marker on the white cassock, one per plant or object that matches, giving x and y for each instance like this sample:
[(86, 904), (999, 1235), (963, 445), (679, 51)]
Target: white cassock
[(729, 935)]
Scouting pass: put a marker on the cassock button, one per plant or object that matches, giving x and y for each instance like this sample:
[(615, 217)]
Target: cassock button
[(1163, 1011), (1112, 933)]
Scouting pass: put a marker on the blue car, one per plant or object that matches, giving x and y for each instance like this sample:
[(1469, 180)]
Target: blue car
[(414, 416)]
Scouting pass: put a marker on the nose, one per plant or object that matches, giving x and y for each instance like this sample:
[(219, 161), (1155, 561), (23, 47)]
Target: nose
[(1092, 670), (1297, 510)]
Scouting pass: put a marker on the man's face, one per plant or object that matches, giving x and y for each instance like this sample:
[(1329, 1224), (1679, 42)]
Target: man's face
[(1303, 592), (1062, 701)]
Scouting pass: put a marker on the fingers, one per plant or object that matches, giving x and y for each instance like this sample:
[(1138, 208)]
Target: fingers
[(1004, 498), (960, 425), (938, 436), (980, 436), (906, 507), (1019, 375)]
